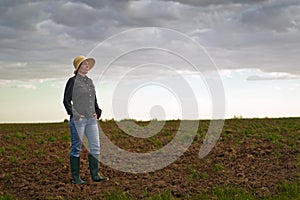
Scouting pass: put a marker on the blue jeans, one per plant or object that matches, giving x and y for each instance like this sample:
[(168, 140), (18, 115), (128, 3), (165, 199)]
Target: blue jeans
[(89, 127)]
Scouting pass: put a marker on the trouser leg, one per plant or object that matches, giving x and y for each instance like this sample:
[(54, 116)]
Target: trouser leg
[(76, 140), (77, 133), (92, 133)]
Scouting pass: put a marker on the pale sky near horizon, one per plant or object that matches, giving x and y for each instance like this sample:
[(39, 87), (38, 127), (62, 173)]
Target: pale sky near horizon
[(145, 52)]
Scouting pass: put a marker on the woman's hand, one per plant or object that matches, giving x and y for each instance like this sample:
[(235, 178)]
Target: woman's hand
[(95, 116), (78, 119)]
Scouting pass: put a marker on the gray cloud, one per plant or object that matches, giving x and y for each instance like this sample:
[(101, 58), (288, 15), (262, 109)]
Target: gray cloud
[(120, 4), (216, 2), (279, 16), (263, 36), (74, 15), (238, 33)]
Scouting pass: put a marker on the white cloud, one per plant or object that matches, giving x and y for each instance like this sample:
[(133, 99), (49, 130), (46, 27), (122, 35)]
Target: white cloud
[(17, 84), (273, 76)]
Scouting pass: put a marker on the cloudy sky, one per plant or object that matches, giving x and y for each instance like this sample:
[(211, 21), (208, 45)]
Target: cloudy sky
[(147, 52)]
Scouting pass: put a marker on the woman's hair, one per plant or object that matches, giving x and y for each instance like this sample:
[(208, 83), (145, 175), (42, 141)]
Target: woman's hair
[(76, 72)]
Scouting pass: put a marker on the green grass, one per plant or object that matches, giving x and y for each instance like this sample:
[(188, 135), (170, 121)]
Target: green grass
[(291, 190), (13, 159), (2, 150), (219, 167), (59, 159), (117, 194), (204, 175), (298, 161), (158, 142), (39, 152), (24, 156), (194, 174), (20, 135), (230, 193), (287, 191), (24, 147), (6, 197), (7, 176), (7, 138), (12, 148), (66, 137), (51, 138), (163, 195)]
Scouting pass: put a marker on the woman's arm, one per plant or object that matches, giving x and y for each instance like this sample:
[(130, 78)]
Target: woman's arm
[(68, 96), (97, 109)]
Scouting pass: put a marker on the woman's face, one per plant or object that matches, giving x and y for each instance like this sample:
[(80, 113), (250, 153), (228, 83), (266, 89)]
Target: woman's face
[(84, 68)]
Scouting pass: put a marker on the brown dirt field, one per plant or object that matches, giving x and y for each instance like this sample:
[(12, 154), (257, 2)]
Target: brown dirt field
[(255, 154)]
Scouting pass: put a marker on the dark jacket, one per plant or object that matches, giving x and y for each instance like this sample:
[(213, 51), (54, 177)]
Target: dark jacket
[(80, 97)]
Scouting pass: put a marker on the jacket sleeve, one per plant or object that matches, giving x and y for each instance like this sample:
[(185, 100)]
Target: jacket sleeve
[(68, 96), (97, 109)]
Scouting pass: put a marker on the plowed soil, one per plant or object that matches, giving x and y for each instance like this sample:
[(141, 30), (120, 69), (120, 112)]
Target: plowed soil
[(257, 155)]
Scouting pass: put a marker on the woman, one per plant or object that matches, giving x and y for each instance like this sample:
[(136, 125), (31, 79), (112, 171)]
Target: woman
[(81, 104)]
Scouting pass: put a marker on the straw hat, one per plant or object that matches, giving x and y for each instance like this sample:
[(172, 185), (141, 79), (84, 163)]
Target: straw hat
[(79, 59)]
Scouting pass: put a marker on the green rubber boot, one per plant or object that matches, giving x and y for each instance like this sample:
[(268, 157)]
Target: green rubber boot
[(94, 169), (75, 170)]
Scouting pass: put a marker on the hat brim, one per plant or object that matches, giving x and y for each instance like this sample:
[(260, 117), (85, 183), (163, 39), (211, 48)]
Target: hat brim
[(91, 62)]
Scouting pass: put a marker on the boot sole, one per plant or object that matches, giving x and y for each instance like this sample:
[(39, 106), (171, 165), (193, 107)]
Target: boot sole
[(102, 180)]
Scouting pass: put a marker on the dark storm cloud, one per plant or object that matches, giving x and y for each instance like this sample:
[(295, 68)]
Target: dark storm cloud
[(238, 33), (21, 15)]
